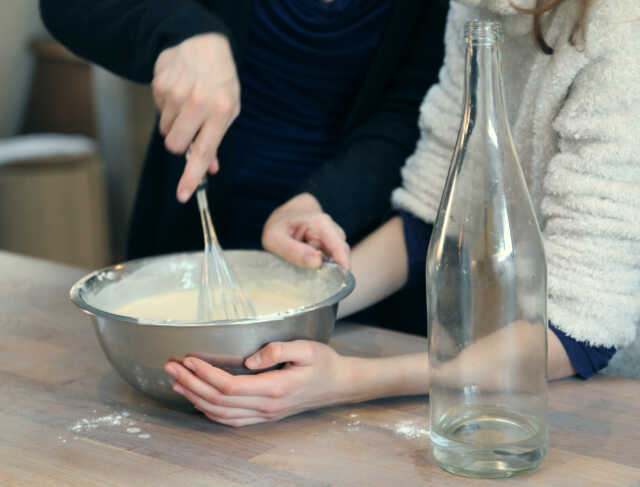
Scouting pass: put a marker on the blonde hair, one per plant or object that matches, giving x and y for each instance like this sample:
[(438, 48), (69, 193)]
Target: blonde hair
[(576, 37)]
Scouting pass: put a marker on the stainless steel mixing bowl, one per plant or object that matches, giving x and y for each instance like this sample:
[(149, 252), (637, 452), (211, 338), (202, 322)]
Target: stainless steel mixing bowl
[(139, 348)]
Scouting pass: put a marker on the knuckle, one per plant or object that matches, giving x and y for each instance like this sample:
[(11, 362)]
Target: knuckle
[(201, 154), (203, 151), (198, 97), (225, 414), (159, 84), (227, 388), (222, 105), (270, 408), (274, 351), (177, 92), (172, 143), (278, 391)]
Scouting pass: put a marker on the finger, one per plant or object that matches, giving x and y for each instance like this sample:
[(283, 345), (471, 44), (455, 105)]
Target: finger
[(266, 384), (188, 118), (237, 423), (341, 231), (277, 240), (167, 118), (203, 152), (190, 381), (298, 352), (170, 94), (160, 87), (213, 409), (334, 245), (214, 167), (257, 404)]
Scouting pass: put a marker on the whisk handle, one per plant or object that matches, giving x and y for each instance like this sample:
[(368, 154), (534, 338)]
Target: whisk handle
[(204, 182)]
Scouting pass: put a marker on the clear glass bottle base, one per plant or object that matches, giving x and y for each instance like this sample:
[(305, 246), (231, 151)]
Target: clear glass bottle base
[(488, 442)]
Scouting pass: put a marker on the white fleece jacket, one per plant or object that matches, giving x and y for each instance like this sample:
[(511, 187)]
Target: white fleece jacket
[(576, 125)]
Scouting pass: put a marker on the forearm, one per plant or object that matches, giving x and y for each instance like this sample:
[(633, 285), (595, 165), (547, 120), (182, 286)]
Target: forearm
[(402, 375), (126, 36), (379, 264)]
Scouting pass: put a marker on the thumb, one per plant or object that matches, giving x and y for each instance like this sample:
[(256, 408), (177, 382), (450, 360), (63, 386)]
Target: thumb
[(299, 352)]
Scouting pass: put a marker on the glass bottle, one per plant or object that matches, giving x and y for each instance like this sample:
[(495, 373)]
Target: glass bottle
[(487, 290)]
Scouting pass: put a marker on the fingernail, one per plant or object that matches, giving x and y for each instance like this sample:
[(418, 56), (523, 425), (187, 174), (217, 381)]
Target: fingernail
[(313, 260), (171, 369), (183, 196), (252, 362), (189, 365), (178, 388)]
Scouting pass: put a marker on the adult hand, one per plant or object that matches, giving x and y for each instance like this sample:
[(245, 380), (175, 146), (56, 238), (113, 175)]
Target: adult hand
[(196, 89), (314, 375), (301, 232)]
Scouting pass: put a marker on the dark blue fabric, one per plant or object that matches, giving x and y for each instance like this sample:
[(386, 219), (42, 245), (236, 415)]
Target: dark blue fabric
[(304, 62), (586, 359)]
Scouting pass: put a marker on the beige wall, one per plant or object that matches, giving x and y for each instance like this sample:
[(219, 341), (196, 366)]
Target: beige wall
[(19, 23)]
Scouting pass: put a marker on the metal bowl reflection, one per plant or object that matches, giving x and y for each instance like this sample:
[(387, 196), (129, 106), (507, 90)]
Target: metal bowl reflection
[(139, 348)]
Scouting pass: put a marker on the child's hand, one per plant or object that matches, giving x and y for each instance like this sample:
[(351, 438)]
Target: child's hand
[(301, 232), (314, 375)]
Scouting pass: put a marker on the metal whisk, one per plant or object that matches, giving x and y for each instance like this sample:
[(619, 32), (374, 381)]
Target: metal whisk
[(220, 296)]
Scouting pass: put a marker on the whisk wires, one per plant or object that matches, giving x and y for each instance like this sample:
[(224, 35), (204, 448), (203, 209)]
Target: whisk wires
[(220, 296)]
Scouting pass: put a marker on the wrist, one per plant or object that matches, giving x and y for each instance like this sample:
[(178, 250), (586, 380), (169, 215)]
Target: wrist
[(366, 379)]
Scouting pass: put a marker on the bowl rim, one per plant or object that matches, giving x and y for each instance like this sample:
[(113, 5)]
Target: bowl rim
[(79, 301)]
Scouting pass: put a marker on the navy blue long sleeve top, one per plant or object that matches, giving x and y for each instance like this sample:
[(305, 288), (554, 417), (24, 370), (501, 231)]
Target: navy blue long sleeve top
[(586, 359), (304, 62)]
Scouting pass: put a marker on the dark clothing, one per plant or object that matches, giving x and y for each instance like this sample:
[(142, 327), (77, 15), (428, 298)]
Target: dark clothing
[(586, 359), (375, 134), (302, 64)]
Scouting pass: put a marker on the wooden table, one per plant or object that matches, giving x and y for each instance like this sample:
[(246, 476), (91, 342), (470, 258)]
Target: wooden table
[(66, 418)]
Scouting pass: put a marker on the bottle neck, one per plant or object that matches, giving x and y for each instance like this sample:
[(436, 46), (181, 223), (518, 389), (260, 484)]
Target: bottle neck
[(484, 93)]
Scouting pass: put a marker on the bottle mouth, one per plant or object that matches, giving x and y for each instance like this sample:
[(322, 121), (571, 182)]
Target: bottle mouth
[(483, 32)]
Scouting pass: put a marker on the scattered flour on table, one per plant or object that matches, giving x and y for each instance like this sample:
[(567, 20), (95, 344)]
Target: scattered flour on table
[(353, 425), (410, 429), (89, 424)]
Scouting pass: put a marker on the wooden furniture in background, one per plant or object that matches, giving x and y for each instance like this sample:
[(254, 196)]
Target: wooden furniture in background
[(61, 97), (55, 208), (66, 417)]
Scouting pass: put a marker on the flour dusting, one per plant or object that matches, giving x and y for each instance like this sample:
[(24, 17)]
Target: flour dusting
[(89, 424), (411, 429), (353, 425)]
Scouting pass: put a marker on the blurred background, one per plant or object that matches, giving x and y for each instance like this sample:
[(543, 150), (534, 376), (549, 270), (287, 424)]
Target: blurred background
[(72, 141)]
